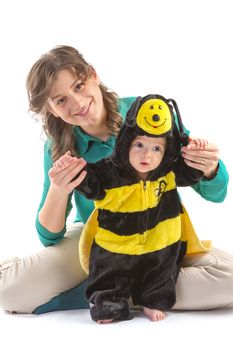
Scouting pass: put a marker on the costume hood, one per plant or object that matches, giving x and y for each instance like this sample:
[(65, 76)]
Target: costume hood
[(153, 116)]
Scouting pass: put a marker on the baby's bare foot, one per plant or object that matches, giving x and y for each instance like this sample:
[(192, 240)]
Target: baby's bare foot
[(104, 321), (154, 314)]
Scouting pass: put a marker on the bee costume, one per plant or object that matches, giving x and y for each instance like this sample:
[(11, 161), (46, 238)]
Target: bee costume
[(134, 241)]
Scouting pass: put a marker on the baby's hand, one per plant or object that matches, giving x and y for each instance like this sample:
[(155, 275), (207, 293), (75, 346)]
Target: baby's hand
[(67, 173), (66, 160), (197, 143)]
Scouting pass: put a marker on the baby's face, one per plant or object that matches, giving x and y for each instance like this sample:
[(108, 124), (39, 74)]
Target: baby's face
[(146, 153)]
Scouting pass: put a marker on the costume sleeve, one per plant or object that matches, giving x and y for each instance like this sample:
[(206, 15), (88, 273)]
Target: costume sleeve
[(186, 175), (46, 237), (94, 184)]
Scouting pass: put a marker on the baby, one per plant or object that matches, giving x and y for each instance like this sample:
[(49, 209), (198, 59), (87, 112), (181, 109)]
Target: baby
[(137, 242)]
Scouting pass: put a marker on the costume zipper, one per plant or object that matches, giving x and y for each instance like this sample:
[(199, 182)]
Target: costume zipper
[(144, 185), (145, 194)]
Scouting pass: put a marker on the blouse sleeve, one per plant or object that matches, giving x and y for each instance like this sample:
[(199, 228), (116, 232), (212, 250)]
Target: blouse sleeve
[(214, 190), (46, 237)]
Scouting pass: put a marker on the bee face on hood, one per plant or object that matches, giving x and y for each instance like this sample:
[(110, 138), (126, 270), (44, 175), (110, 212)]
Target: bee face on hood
[(154, 117)]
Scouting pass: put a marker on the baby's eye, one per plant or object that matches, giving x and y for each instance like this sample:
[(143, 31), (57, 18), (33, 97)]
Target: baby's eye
[(138, 144), (156, 148)]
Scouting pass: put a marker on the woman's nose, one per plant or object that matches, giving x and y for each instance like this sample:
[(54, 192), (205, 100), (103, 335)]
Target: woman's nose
[(76, 101)]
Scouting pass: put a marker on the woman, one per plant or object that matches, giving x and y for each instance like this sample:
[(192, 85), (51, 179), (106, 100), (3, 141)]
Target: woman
[(80, 115)]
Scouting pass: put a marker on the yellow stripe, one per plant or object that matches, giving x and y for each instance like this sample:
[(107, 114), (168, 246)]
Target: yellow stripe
[(161, 236), (195, 245), (135, 197)]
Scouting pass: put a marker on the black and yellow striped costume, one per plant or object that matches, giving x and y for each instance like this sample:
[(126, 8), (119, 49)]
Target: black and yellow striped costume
[(139, 230)]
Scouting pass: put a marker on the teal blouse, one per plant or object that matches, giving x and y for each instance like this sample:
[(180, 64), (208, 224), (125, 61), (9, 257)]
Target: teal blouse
[(92, 150)]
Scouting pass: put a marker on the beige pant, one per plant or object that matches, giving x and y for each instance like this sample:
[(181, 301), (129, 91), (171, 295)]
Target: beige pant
[(205, 280)]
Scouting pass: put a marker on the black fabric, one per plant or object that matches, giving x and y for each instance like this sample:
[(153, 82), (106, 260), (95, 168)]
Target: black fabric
[(149, 279), (103, 308)]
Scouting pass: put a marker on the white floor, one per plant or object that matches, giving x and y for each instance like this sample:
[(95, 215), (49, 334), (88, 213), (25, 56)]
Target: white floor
[(74, 329)]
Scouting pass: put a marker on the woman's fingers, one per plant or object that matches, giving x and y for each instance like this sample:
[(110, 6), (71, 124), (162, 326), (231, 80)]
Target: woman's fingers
[(64, 170), (70, 173), (204, 159), (195, 154), (78, 181)]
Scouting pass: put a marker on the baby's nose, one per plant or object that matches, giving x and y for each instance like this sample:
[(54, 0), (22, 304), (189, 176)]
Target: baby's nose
[(147, 153)]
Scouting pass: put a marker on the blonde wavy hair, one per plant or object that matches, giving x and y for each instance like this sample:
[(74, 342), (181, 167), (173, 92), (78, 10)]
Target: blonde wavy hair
[(39, 83)]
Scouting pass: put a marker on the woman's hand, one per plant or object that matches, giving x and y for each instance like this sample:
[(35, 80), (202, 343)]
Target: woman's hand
[(63, 172), (52, 215), (201, 155)]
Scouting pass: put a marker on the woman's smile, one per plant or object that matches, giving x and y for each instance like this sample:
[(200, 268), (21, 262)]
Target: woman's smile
[(84, 111)]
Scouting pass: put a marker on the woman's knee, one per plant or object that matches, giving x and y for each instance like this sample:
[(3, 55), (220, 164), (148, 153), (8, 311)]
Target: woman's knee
[(206, 281), (34, 280), (7, 284), (225, 268)]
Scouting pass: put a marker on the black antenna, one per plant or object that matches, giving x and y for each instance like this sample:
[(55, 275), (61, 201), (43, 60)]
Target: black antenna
[(182, 134), (130, 119)]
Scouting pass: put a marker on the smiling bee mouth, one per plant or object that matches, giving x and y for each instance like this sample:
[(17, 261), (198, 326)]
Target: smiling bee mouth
[(155, 126)]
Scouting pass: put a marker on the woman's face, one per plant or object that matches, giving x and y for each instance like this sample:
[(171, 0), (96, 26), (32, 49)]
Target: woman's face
[(77, 102)]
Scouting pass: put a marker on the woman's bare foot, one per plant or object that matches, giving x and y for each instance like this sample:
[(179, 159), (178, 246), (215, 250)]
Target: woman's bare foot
[(153, 314), (104, 321)]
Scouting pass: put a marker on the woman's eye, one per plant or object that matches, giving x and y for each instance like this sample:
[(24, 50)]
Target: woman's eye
[(79, 86), (60, 101)]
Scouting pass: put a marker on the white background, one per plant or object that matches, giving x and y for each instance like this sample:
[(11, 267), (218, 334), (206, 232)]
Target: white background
[(181, 49)]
